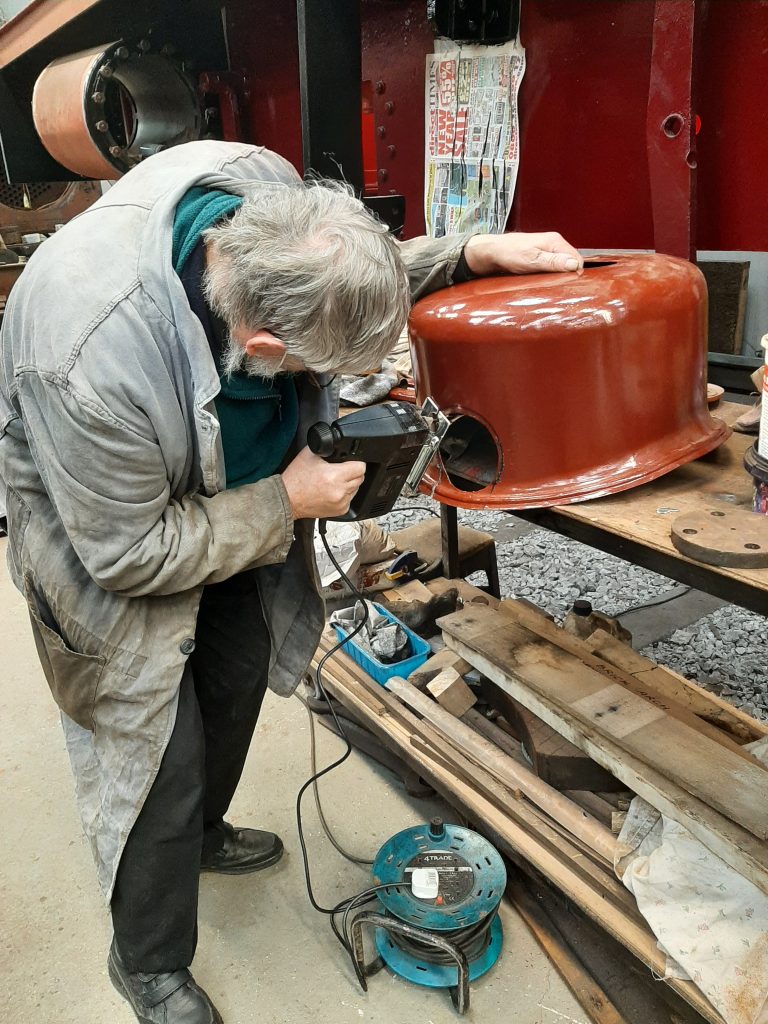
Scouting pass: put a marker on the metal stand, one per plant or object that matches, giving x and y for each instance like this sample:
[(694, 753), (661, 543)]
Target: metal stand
[(459, 993), (454, 566), (449, 533)]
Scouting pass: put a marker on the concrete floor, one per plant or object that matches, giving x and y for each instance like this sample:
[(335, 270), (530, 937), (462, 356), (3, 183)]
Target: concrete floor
[(264, 955)]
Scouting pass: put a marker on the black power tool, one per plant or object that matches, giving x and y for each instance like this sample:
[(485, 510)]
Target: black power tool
[(396, 440)]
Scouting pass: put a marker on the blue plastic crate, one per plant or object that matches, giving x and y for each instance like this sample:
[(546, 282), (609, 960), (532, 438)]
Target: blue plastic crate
[(377, 669)]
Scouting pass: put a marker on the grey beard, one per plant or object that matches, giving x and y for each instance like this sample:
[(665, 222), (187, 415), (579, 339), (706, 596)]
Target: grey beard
[(234, 359)]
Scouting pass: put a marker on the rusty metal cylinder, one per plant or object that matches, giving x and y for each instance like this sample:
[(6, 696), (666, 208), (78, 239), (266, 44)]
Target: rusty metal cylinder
[(101, 111), (564, 387)]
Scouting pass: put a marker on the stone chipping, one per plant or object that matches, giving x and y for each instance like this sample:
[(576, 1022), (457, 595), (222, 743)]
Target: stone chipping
[(725, 651)]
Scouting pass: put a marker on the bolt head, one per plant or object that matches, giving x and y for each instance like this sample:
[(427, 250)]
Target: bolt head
[(391, 150), (389, 106), (381, 131), (122, 52), (106, 71), (97, 97), (380, 87), (101, 126), (144, 45), (383, 174), (115, 151)]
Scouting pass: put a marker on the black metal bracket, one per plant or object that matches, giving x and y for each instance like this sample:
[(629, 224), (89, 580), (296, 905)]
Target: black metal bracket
[(330, 83), (389, 209), (369, 918), (475, 21)]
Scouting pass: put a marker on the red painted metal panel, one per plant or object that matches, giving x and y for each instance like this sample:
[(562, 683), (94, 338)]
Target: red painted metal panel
[(670, 133), (583, 109), (582, 103), (36, 23), (263, 45), (396, 40), (733, 142)]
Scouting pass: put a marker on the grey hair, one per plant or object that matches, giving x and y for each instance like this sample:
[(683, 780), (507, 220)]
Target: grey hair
[(311, 265)]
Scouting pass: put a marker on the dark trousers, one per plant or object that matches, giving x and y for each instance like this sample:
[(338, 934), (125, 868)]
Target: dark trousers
[(154, 904)]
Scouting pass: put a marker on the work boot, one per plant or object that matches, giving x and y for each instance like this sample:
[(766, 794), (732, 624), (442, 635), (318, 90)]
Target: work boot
[(171, 998), (749, 421), (236, 851)]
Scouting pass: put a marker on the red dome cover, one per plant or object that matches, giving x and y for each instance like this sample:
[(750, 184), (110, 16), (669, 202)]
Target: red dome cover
[(564, 387)]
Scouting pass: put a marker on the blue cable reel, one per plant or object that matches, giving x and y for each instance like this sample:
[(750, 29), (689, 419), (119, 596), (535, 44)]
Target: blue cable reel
[(446, 887)]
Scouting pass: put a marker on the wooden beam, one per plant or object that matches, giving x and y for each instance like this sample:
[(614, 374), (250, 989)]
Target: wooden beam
[(450, 691), (593, 702), (585, 989), (434, 666), (483, 752), (701, 702), (498, 659), (511, 747), (641, 684), (516, 842)]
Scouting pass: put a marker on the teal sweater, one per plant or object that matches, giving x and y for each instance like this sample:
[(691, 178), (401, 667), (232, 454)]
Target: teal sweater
[(258, 419)]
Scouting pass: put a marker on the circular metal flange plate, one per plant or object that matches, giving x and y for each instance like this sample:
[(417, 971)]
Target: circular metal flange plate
[(725, 537)]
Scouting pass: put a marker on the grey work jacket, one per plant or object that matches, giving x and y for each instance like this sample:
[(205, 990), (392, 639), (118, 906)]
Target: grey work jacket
[(112, 472)]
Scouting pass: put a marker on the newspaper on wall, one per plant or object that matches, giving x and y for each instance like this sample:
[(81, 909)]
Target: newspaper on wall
[(473, 139)]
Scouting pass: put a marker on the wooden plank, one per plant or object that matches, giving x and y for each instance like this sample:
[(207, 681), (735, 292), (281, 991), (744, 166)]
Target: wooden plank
[(585, 989), (623, 715), (401, 722), (518, 843), (413, 590), (599, 808), (701, 702), (450, 691), (492, 732), (468, 593), (554, 836), (732, 843), (556, 760), (480, 750), (522, 613), (434, 666)]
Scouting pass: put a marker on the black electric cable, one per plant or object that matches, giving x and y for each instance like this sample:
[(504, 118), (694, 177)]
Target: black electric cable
[(412, 508), (654, 602), (472, 940), (322, 524), (358, 900), (351, 857), (316, 775)]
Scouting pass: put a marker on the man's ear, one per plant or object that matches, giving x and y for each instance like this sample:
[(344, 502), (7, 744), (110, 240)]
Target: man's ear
[(261, 344)]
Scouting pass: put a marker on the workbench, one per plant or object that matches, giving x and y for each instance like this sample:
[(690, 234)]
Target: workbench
[(635, 525)]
